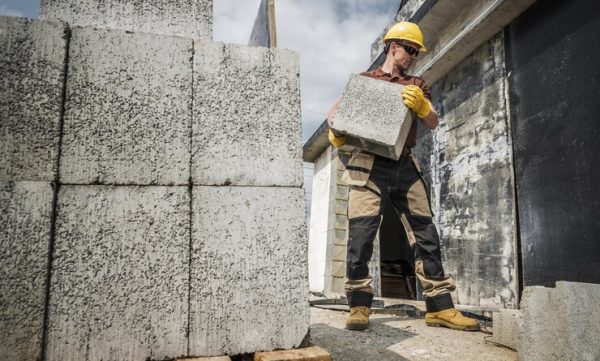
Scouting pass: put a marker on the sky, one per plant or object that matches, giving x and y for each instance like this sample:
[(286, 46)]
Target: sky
[(332, 37)]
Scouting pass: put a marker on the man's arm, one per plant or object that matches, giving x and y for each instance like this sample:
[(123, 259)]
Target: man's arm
[(431, 120)]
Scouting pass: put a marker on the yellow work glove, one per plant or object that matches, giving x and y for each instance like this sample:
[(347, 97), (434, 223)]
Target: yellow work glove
[(414, 98), (336, 141)]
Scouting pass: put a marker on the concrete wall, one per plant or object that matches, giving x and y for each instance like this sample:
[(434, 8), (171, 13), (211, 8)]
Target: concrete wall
[(131, 256), (472, 181)]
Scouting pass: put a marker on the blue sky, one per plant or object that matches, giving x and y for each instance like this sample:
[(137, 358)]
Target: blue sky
[(333, 38)]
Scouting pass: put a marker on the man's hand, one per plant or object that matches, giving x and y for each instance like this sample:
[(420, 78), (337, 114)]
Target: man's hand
[(415, 100)]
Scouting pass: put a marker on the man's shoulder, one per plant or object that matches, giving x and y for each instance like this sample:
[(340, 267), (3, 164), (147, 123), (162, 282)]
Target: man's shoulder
[(369, 73)]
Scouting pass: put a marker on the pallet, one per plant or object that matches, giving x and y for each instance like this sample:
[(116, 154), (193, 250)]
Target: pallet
[(314, 353)]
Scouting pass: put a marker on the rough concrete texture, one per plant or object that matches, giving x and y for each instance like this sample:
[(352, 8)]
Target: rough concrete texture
[(32, 64), (188, 18), (246, 126), (561, 323), (472, 180), (399, 338), (507, 325), (373, 117), (25, 213), (120, 272), (128, 110), (249, 270)]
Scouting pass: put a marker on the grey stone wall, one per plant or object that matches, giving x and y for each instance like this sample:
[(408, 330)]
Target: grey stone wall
[(188, 18), (472, 179)]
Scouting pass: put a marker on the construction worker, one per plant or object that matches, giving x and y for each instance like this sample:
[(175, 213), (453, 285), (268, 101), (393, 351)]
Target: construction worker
[(374, 180)]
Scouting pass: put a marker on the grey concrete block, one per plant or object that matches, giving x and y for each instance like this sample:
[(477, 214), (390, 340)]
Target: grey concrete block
[(246, 126), (25, 219), (561, 323), (32, 64), (128, 109), (119, 288), (188, 18), (249, 270), (507, 327), (373, 117)]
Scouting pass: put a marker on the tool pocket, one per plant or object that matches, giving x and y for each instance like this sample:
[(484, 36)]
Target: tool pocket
[(358, 169)]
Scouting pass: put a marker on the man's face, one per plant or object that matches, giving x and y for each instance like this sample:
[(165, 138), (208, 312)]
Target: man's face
[(401, 53)]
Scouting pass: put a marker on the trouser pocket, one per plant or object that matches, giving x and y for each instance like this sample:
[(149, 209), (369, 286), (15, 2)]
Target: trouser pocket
[(358, 169)]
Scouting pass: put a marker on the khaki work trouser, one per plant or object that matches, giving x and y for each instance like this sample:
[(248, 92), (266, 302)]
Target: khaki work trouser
[(374, 180)]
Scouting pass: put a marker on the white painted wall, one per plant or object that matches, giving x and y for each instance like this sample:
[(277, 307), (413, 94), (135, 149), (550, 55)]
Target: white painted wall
[(319, 221)]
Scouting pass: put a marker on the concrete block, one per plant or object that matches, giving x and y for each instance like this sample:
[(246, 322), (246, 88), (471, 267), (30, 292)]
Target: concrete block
[(128, 111), (372, 116), (249, 270), (561, 323), (246, 126), (25, 219), (187, 18), (507, 326), (32, 64), (120, 274)]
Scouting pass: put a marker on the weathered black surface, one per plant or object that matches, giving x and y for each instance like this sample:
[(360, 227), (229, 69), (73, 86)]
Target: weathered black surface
[(554, 59)]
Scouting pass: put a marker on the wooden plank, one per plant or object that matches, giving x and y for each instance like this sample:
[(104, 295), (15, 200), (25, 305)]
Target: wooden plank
[(314, 353), (219, 358)]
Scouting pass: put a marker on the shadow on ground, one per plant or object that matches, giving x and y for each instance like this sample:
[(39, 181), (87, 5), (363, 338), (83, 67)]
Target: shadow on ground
[(371, 344)]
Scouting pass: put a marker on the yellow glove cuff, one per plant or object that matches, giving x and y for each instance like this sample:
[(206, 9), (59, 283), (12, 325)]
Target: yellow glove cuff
[(336, 141), (424, 109)]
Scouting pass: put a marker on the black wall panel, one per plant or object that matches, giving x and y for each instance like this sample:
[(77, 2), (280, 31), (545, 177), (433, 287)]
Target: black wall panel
[(553, 58)]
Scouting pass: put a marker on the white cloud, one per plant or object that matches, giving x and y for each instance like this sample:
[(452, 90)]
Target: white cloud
[(7, 11), (332, 37)]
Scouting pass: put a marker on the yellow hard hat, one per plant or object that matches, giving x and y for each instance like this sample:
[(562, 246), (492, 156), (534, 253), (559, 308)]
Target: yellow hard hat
[(406, 31)]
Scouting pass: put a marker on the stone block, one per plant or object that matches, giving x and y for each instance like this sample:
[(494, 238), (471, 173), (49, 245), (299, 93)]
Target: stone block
[(128, 110), (373, 117), (25, 216), (246, 126), (32, 64), (187, 18), (507, 326), (249, 270), (120, 274), (561, 323)]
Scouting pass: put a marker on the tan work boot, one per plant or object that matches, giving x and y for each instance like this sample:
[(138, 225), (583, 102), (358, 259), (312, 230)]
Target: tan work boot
[(358, 318), (451, 318)]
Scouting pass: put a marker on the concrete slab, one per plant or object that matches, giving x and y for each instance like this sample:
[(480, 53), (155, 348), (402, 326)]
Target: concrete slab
[(249, 270), (507, 327), (25, 216), (372, 116), (32, 64), (119, 288), (561, 323), (128, 110), (246, 126), (188, 18)]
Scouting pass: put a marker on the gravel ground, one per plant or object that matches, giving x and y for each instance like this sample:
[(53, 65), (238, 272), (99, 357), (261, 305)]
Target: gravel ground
[(392, 338)]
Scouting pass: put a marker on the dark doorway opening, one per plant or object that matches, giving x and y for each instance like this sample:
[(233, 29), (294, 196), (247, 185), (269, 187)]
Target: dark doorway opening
[(397, 258)]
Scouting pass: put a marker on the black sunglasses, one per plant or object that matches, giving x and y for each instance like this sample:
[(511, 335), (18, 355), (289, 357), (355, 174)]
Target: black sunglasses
[(409, 49)]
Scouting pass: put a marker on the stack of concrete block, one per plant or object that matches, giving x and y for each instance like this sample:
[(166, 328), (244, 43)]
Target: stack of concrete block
[(177, 227), (32, 64), (372, 116)]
